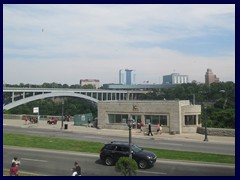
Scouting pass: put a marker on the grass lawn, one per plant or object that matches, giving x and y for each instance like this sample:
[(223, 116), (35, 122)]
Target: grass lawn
[(94, 147)]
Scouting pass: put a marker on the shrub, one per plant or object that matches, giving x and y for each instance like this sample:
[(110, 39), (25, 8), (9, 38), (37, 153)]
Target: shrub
[(126, 166)]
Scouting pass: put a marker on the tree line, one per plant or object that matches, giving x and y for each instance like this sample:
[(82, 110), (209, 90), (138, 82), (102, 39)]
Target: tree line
[(218, 98)]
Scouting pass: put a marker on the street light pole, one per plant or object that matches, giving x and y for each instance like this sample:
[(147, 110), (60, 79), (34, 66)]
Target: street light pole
[(130, 137), (225, 97), (130, 123), (62, 113), (205, 119)]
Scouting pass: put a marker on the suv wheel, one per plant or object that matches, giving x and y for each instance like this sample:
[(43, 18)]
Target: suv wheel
[(142, 164), (109, 161)]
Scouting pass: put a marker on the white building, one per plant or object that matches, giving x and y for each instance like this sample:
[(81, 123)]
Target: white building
[(175, 78)]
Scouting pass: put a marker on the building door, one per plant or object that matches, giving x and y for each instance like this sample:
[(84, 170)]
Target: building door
[(137, 120)]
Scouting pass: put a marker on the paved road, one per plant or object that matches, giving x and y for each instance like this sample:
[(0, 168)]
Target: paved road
[(59, 163), (159, 142)]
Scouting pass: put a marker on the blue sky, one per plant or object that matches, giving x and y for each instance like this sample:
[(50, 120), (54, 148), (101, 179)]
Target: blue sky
[(66, 43)]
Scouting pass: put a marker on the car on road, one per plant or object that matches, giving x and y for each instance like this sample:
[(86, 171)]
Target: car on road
[(111, 152), (52, 121)]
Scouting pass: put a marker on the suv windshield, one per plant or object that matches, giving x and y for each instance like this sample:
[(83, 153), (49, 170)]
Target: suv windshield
[(135, 148)]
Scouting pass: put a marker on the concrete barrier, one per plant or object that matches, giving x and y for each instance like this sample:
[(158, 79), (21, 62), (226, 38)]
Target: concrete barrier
[(217, 131)]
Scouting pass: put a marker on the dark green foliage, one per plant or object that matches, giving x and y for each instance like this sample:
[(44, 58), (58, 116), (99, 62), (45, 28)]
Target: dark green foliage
[(53, 106), (126, 166), (219, 98), (224, 118)]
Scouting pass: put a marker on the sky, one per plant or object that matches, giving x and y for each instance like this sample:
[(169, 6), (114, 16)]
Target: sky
[(66, 43)]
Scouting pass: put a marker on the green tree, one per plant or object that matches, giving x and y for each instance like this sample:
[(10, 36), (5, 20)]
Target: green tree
[(88, 86), (127, 166)]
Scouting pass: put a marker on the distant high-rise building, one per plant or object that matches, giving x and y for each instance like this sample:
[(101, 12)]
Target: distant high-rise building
[(210, 77), (127, 77), (122, 76), (175, 78)]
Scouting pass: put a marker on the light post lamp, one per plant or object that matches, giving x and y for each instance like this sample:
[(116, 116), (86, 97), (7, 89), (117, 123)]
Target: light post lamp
[(62, 113), (130, 124), (205, 120), (225, 97), (205, 115)]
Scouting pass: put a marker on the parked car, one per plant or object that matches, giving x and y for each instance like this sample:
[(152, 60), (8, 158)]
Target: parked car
[(111, 152), (52, 121)]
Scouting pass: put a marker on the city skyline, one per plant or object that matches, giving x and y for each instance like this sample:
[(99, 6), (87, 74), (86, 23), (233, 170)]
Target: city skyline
[(65, 43)]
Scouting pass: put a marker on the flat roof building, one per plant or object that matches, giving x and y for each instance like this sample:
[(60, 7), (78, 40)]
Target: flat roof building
[(175, 78), (179, 116)]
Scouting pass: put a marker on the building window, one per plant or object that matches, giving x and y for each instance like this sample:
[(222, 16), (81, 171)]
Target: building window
[(117, 118), (155, 119), (190, 119), (163, 120)]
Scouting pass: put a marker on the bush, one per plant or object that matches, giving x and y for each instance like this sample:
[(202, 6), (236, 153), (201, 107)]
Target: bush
[(126, 166)]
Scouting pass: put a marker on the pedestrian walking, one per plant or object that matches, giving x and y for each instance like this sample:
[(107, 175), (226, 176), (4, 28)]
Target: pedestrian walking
[(89, 121), (158, 128), (16, 161), (149, 129), (141, 126), (26, 120)]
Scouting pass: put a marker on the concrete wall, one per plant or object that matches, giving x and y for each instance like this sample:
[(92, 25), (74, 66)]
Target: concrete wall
[(217, 131)]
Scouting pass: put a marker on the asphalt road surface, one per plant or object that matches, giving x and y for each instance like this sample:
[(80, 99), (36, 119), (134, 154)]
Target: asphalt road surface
[(143, 141), (59, 163)]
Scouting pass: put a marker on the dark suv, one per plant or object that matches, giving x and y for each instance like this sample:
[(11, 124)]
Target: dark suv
[(111, 152)]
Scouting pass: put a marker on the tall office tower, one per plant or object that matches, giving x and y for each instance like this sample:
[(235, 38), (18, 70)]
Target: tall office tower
[(210, 77), (175, 78), (127, 77), (122, 76)]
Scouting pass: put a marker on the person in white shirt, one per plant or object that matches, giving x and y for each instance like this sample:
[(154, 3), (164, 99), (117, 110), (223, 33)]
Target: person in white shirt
[(15, 159)]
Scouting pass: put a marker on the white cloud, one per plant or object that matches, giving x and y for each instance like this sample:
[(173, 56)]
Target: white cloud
[(95, 41)]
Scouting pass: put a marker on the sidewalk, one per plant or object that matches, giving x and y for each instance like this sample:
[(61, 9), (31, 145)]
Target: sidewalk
[(135, 132)]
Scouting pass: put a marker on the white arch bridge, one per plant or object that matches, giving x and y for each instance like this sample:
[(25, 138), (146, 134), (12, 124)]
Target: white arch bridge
[(14, 97)]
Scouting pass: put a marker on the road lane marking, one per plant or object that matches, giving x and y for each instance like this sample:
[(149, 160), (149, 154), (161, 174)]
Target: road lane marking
[(38, 160), (151, 172)]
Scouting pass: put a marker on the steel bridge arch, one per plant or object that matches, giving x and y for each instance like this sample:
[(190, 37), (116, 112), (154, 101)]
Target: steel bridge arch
[(47, 95)]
